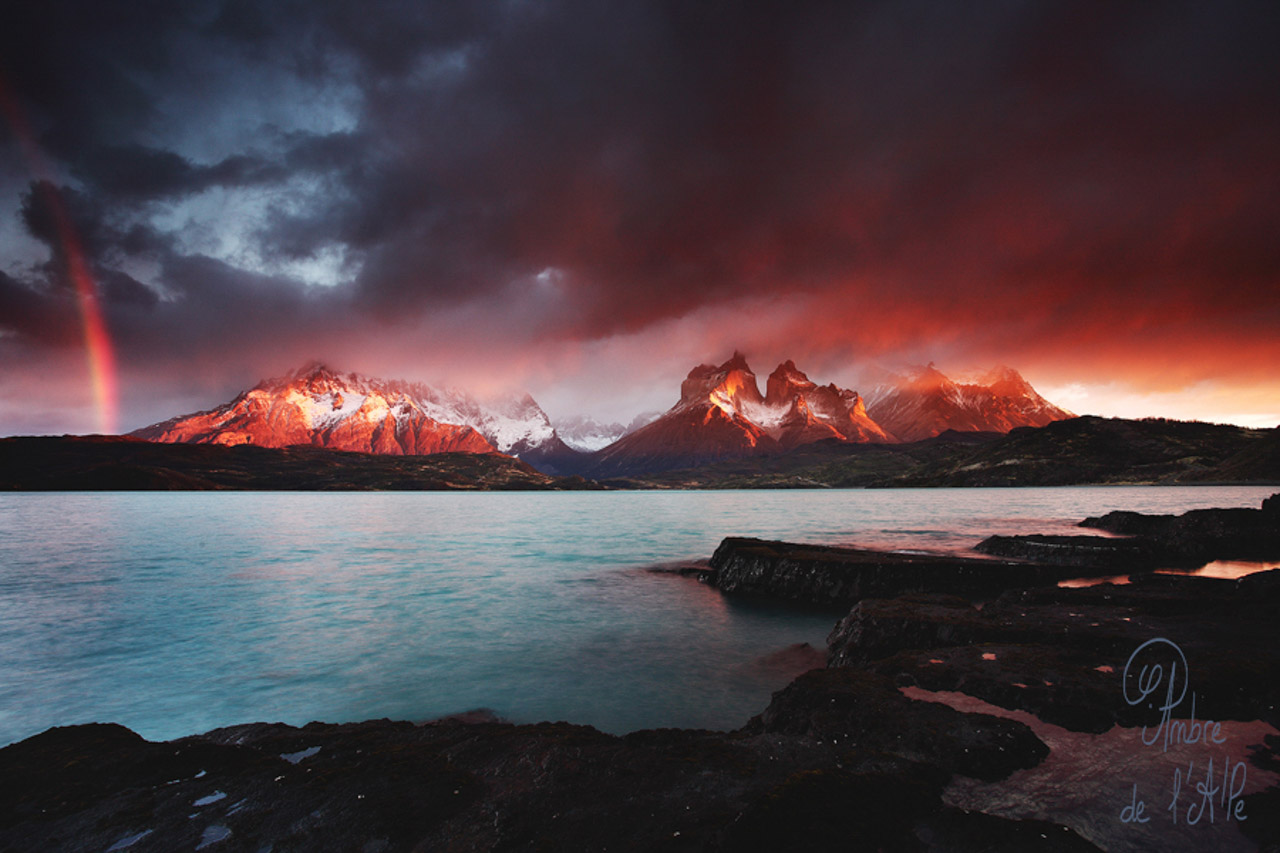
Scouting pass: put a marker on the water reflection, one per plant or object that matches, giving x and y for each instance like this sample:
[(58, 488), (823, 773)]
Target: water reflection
[(1225, 569), (1088, 779)]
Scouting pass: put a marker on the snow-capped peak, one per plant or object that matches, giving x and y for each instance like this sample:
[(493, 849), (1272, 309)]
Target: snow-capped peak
[(316, 404)]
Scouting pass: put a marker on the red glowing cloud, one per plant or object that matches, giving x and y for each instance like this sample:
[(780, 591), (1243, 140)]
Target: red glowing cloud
[(585, 203)]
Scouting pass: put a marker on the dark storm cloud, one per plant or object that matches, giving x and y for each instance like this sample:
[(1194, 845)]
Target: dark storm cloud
[(668, 157), (912, 168), (51, 213), (78, 66), (138, 172), (44, 205), (35, 315)]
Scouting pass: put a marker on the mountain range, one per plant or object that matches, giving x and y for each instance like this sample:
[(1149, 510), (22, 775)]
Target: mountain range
[(721, 414)]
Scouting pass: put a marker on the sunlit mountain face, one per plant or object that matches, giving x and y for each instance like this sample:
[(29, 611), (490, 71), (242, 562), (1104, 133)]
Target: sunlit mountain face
[(319, 406), (721, 414), (925, 403)]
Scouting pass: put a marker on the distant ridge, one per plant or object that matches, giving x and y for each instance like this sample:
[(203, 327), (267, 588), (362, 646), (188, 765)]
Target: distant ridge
[(123, 463)]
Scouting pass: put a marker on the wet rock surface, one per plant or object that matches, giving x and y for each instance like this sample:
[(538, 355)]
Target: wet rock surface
[(1154, 541), (1059, 653), (389, 786), (838, 577), (1088, 552), (1203, 534), (857, 707)]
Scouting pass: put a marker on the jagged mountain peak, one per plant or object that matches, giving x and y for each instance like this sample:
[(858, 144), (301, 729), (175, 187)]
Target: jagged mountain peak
[(587, 434), (1004, 380), (309, 373), (319, 377), (721, 414), (728, 383), (785, 383), (926, 378), (315, 367)]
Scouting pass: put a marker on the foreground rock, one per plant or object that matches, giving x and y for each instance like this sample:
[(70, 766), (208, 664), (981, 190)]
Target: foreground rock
[(1084, 552), (838, 577), (781, 784), (1059, 653), (1155, 541), (860, 707)]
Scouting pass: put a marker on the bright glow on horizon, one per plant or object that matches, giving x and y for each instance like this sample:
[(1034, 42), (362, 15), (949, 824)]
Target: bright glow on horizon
[(1205, 401)]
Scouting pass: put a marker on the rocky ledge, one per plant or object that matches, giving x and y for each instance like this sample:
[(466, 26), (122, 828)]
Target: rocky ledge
[(1154, 541), (839, 577), (1058, 653)]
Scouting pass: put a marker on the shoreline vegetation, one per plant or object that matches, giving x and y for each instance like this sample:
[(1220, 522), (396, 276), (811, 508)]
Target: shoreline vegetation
[(1078, 451), (948, 684)]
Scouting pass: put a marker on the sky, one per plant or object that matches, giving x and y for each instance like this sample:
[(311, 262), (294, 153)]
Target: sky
[(584, 200)]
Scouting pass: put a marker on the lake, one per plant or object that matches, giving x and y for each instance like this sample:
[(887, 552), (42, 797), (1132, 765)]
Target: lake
[(175, 613)]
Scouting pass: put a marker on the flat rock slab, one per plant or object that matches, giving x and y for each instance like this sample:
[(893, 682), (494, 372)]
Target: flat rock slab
[(1088, 552), (839, 577)]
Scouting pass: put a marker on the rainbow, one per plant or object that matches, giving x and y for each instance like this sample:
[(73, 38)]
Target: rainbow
[(97, 341)]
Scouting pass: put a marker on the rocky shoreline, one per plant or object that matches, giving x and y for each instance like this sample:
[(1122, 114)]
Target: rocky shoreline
[(847, 756), (1150, 541)]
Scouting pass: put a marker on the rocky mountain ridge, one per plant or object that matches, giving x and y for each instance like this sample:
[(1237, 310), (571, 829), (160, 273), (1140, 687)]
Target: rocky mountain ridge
[(321, 407), (722, 415)]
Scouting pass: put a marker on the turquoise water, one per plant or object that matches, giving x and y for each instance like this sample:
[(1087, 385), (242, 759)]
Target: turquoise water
[(174, 613)]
